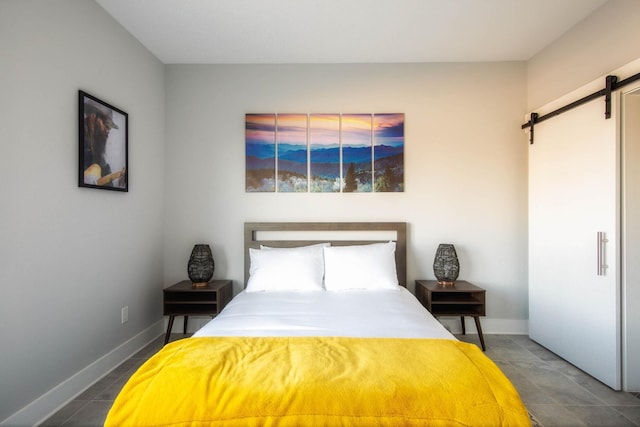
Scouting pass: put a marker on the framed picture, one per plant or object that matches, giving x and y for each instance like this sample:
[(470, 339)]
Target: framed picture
[(325, 152), (104, 159)]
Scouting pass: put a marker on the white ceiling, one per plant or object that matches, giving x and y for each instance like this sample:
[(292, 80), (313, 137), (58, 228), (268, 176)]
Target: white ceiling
[(346, 31)]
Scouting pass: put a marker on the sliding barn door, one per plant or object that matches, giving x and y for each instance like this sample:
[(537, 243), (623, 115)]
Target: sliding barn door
[(574, 306)]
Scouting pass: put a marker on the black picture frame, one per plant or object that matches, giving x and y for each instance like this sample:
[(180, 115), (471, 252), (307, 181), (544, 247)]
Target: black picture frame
[(104, 145)]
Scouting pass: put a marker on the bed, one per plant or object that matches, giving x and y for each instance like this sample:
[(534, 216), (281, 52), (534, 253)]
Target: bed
[(323, 333)]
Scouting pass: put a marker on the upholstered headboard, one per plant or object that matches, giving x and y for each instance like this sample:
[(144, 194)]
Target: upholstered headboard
[(290, 234)]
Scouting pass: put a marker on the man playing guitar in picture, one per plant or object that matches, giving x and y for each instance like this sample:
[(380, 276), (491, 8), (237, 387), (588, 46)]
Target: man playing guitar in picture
[(97, 125)]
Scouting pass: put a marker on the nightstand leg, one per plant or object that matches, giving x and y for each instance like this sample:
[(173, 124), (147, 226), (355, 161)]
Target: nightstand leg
[(477, 319), (169, 327), (462, 321), (184, 325)]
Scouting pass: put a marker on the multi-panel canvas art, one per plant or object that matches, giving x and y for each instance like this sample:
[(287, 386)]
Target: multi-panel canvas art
[(324, 153)]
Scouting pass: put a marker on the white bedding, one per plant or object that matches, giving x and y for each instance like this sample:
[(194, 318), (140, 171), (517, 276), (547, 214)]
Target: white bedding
[(353, 313)]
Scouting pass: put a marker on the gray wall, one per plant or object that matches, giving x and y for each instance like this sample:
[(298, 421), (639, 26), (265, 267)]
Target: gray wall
[(71, 257)]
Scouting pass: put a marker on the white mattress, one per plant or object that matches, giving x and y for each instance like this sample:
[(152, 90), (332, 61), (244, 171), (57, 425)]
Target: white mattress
[(354, 313)]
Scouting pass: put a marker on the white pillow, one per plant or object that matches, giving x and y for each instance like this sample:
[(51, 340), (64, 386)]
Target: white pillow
[(286, 269), (360, 267)]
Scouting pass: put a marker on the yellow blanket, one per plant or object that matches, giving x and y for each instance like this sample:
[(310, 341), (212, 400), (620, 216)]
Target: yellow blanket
[(311, 381)]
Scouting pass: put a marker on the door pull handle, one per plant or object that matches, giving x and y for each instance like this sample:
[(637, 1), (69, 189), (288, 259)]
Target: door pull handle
[(601, 253)]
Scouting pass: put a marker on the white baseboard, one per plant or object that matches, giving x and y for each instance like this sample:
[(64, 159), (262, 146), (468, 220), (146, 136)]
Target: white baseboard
[(46, 405), (488, 325)]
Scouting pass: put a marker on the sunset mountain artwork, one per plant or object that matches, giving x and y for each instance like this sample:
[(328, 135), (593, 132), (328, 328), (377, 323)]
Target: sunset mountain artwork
[(324, 152)]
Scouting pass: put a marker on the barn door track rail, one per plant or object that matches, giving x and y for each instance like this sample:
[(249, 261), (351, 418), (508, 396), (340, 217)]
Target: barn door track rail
[(611, 84)]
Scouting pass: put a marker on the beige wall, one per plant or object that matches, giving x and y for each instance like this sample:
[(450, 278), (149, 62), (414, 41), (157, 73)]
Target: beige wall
[(465, 165)]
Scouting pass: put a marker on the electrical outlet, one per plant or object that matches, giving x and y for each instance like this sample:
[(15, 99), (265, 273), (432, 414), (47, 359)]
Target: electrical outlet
[(124, 314)]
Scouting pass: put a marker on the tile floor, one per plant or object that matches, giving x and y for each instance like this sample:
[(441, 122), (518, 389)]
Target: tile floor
[(557, 393)]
